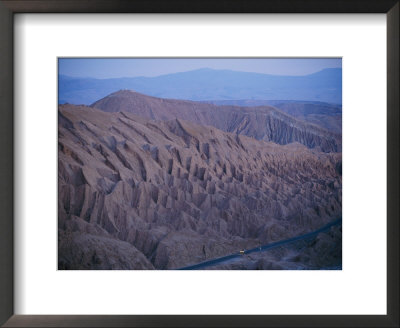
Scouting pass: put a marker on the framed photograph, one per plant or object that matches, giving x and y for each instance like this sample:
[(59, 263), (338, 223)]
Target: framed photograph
[(191, 167), (213, 164)]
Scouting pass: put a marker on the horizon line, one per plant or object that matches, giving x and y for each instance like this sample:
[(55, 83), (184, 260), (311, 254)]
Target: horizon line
[(194, 70)]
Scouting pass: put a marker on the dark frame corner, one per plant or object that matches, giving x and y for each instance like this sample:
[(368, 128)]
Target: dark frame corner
[(7, 10)]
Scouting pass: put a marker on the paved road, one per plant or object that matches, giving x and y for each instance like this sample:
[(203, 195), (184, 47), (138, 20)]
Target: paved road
[(218, 260)]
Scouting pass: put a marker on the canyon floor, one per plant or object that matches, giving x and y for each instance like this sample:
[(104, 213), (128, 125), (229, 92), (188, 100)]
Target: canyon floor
[(142, 193)]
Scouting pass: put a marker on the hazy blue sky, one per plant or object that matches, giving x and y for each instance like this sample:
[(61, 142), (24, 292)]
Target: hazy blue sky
[(126, 67)]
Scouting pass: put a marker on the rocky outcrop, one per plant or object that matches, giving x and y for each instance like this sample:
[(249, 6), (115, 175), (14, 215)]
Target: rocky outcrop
[(136, 193), (263, 123)]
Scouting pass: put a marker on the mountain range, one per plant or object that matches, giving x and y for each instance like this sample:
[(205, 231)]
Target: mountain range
[(210, 84)]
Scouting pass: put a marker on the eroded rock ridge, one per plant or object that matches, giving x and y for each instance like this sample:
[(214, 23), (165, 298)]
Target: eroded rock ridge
[(139, 193)]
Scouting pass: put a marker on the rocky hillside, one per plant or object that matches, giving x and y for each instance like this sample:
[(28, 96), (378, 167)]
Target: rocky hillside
[(327, 116), (135, 193), (263, 123)]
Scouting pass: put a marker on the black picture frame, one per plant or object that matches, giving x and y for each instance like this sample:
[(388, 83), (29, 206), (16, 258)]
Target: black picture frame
[(7, 10)]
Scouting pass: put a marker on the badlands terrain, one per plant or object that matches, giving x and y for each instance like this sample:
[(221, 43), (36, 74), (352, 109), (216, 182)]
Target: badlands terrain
[(151, 183), (261, 122), (328, 116)]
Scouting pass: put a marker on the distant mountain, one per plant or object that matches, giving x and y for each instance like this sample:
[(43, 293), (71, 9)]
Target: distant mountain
[(329, 116), (263, 123), (209, 84)]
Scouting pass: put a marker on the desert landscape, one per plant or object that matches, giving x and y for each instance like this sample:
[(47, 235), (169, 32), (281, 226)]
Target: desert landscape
[(148, 182)]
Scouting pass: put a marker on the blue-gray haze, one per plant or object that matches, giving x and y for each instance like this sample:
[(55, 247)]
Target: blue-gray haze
[(210, 84)]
